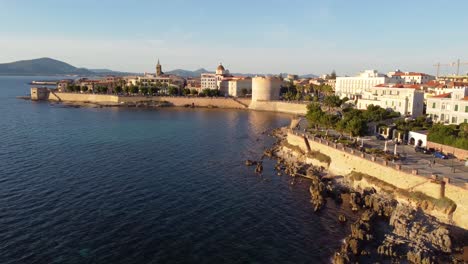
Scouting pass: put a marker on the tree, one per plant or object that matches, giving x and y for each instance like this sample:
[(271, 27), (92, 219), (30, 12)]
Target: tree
[(193, 92), (84, 89), (308, 97), (244, 91), (298, 96), (333, 75), (186, 91), (126, 89), (133, 89), (143, 90), (173, 90), (118, 89), (153, 90), (356, 127), (332, 101), (314, 114)]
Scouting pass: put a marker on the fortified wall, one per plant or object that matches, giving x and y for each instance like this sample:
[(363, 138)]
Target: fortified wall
[(240, 103), (219, 102), (279, 106), (345, 160)]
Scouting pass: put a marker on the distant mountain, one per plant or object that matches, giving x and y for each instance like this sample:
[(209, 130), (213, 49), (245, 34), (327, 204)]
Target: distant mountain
[(310, 75), (187, 73), (42, 66), (111, 72)]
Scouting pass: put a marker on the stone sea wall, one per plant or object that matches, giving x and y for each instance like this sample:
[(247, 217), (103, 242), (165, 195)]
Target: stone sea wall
[(278, 106), (344, 161), (232, 103), (176, 101)]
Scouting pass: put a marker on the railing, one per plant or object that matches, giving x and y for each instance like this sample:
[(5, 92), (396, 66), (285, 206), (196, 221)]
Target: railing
[(414, 169)]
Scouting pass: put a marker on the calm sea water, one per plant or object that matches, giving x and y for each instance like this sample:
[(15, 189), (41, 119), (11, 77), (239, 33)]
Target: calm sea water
[(87, 185)]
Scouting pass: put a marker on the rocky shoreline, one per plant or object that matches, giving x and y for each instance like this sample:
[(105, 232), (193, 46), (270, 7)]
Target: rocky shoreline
[(385, 231)]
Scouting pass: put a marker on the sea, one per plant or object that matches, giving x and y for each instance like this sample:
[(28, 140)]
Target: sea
[(134, 185)]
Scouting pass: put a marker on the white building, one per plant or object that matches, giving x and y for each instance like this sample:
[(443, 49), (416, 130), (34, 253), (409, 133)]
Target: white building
[(236, 85), (213, 80), (353, 87), (411, 77), (406, 99), (208, 81), (418, 138), (449, 108)]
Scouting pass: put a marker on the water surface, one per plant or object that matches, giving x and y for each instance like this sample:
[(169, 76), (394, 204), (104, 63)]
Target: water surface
[(110, 185)]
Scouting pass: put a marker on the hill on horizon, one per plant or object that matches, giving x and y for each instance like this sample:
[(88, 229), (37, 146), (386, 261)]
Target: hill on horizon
[(41, 66), (49, 66)]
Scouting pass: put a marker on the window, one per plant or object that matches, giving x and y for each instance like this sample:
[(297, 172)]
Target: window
[(455, 108), (454, 119), (433, 105), (466, 109)]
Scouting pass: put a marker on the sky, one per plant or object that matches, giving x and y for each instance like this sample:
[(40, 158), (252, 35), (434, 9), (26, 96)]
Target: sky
[(255, 36)]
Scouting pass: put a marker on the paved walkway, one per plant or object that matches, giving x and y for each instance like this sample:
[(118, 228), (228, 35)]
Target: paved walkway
[(426, 164)]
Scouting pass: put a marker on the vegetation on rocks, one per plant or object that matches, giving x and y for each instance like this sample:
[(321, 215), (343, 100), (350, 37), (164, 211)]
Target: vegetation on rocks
[(424, 201)]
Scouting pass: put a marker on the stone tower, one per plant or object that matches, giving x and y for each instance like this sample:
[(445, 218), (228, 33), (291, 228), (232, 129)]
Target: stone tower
[(159, 69)]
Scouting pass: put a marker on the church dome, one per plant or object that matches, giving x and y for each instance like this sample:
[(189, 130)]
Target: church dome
[(220, 67)]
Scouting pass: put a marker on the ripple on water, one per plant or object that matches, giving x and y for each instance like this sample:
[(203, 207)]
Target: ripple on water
[(138, 186)]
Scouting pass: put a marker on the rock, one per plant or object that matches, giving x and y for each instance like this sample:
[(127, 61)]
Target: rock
[(355, 201), (259, 168), (342, 218), (339, 258), (250, 163)]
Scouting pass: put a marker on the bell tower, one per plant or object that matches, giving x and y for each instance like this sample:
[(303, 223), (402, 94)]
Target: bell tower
[(158, 69)]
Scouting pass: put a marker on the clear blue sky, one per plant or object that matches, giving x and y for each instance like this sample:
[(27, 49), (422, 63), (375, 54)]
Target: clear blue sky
[(267, 36)]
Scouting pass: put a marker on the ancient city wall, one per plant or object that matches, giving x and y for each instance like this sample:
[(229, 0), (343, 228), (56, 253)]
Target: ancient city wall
[(219, 102), (85, 97), (238, 103), (344, 161), (278, 106)]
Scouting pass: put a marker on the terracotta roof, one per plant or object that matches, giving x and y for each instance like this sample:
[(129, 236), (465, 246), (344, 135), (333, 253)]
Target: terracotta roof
[(457, 84), (465, 98), (445, 95), (407, 86), (409, 74)]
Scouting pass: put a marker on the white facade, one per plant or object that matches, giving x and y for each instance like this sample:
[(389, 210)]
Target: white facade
[(418, 139), (354, 87), (411, 77), (209, 81), (450, 108), (236, 85), (215, 81), (150, 79), (406, 99)]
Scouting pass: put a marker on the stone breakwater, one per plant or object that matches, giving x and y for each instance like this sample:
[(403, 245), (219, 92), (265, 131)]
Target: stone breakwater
[(385, 229)]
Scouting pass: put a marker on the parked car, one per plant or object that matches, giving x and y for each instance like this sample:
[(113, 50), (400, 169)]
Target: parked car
[(423, 150), (440, 155), (380, 137)]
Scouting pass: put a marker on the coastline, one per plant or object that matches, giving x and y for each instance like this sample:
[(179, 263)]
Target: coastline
[(386, 227), (108, 100)]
